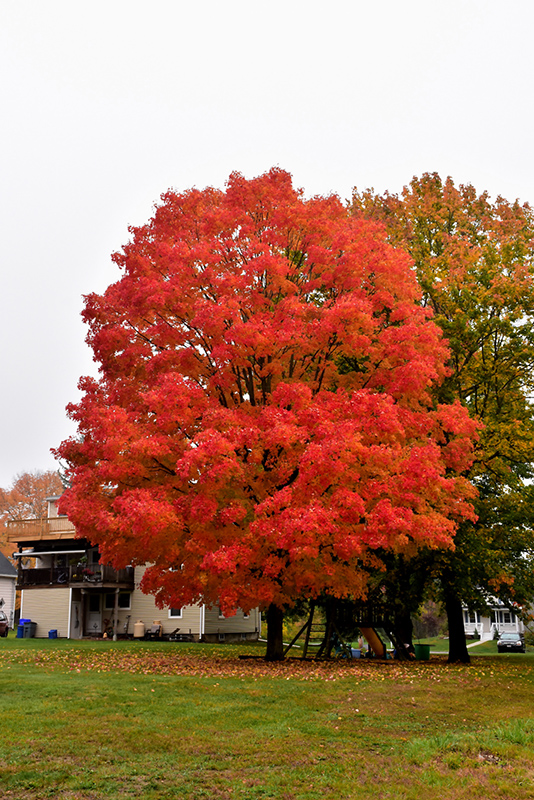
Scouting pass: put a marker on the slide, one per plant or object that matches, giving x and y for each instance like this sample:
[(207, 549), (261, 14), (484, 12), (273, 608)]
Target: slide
[(375, 642)]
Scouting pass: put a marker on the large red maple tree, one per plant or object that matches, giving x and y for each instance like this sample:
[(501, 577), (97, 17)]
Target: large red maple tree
[(262, 427)]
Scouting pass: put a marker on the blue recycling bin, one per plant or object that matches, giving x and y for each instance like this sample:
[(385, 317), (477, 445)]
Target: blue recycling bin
[(52, 634), (20, 628)]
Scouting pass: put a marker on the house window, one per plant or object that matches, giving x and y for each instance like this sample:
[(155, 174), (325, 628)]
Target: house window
[(245, 616), (125, 599), (470, 617), (225, 616), (507, 618), (175, 613)]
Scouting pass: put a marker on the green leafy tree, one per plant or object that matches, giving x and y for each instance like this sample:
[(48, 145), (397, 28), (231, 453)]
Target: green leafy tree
[(474, 262)]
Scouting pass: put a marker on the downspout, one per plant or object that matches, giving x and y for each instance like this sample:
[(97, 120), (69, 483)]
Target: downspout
[(202, 620), (70, 613)]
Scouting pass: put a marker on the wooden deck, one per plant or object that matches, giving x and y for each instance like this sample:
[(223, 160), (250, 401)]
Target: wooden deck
[(98, 576), (20, 531)]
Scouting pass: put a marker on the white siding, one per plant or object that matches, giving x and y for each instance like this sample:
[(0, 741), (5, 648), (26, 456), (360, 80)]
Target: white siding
[(49, 608), (230, 625), (7, 593), (144, 608)]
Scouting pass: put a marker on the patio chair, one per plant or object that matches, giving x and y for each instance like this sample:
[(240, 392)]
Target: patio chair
[(154, 632)]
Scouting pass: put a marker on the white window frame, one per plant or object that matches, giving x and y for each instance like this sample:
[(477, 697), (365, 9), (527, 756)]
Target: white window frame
[(179, 615)]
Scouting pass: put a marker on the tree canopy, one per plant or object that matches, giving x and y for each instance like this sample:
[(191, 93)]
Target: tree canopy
[(26, 497), (264, 421), (474, 262)]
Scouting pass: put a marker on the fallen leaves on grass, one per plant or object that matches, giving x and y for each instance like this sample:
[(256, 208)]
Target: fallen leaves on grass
[(149, 662)]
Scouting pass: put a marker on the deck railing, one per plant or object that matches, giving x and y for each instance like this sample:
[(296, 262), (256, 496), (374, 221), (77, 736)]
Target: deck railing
[(98, 574), (28, 530)]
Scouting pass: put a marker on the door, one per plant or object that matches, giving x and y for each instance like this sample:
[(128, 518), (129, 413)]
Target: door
[(93, 617)]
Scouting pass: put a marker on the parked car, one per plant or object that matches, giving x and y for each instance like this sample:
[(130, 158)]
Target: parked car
[(4, 623), (511, 643)]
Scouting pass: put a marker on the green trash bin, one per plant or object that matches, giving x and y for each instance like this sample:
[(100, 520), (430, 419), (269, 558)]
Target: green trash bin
[(422, 652)]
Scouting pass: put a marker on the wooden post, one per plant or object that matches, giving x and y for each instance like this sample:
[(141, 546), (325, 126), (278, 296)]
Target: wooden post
[(19, 570), (83, 610), (116, 615)]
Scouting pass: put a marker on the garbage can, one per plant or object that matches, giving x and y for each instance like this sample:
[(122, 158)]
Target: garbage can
[(52, 634), (355, 652), (29, 629), (422, 652), (20, 628)]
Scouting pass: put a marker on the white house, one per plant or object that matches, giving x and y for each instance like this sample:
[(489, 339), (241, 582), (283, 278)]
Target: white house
[(489, 626), (8, 582), (65, 588)]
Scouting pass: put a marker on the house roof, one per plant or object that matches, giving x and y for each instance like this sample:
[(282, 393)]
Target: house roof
[(7, 570)]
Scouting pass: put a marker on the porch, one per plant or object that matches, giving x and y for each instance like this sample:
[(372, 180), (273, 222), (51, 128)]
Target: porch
[(97, 575), (23, 531), (490, 626)]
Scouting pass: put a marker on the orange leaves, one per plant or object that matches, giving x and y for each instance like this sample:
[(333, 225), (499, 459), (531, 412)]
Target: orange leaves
[(263, 411), (27, 495)]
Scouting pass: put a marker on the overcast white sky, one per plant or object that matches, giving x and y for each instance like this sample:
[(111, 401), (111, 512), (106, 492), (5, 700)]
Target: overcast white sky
[(107, 104)]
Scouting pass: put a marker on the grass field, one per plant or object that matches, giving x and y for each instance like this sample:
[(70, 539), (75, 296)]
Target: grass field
[(98, 720)]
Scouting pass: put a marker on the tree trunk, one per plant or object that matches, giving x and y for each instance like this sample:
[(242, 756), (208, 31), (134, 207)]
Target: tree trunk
[(457, 643), (404, 629), (275, 643)]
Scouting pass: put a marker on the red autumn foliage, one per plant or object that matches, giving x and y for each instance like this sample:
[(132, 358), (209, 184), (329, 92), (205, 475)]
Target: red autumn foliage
[(263, 426)]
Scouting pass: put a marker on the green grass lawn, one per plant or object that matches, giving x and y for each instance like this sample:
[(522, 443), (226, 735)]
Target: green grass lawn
[(98, 720), (439, 644)]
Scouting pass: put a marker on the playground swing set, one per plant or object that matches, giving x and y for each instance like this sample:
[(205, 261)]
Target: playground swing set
[(326, 637)]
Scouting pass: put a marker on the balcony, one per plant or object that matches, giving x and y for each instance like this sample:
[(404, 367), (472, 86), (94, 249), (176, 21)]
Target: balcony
[(94, 576), (20, 531)]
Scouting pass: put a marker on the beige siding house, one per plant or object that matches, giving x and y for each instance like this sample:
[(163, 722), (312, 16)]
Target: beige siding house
[(49, 609), (65, 589)]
